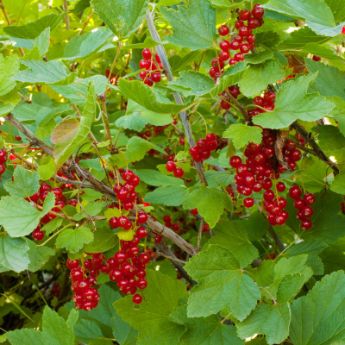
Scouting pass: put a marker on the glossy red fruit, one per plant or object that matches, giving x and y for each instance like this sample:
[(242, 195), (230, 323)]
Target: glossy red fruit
[(248, 202), (137, 299), (295, 192), (223, 30), (146, 54)]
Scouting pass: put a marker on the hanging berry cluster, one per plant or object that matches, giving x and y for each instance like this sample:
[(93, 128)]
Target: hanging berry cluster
[(151, 68), (225, 102), (60, 202), (127, 266), (204, 147), (241, 44), (3, 159), (170, 166), (302, 205), (260, 173), (83, 281), (264, 103)]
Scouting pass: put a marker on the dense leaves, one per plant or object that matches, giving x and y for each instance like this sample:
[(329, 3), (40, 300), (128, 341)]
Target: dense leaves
[(172, 172)]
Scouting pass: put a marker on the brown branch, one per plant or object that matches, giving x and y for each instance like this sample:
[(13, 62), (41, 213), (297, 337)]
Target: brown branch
[(65, 7), (34, 141), (316, 148), (276, 239), (178, 98)]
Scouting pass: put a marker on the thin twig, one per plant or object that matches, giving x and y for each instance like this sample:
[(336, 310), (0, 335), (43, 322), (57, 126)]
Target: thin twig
[(316, 148), (200, 230), (65, 7), (276, 239), (178, 98), (4, 12)]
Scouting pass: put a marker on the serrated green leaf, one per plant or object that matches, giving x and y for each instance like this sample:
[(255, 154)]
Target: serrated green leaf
[(85, 44), (194, 26), (19, 217), (146, 97), (317, 14), (73, 240), (121, 16), (151, 319), (64, 151), (338, 185), (134, 122), (104, 239), (167, 195), (318, 318), (28, 336), (241, 135), (137, 148), (13, 254), (264, 74), (270, 320), (192, 84), (155, 178), (25, 183), (222, 284), (210, 203), (9, 67), (38, 255), (293, 103), (42, 72), (33, 29), (54, 325)]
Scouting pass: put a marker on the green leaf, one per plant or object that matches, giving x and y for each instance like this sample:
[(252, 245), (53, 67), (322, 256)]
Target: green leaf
[(25, 183), (87, 117), (13, 254), (19, 217), (137, 148), (33, 29), (28, 336), (54, 325), (241, 135), (38, 255), (46, 168), (312, 174), (338, 185), (318, 318), (209, 331), (232, 235), (167, 195), (222, 284), (194, 26), (293, 103), (317, 14), (146, 97), (270, 320), (329, 81), (134, 122), (192, 84), (85, 44), (264, 74), (42, 72), (9, 67), (151, 318), (210, 203), (73, 240), (104, 240), (121, 16), (155, 178)]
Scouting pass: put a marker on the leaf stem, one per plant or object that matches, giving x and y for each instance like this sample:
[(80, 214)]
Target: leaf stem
[(178, 98)]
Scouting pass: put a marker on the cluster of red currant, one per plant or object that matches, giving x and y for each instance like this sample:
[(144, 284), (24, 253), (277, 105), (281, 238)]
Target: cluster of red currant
[(303, 206), (225, 102), (242, 43), (170, 166), (204, 147), (3, 159), (150, 69), (60, 202), (125, 192), (83, 278), (169, 223), (127, 267), (264, 103)]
